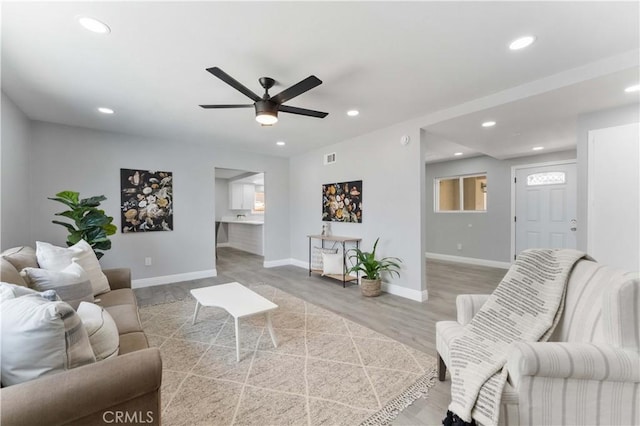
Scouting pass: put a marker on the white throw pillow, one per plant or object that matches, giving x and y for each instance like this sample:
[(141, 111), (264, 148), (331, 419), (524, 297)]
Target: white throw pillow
[(57, 258), (102, 330), (71, 283), (40, 338), (316, 257), (11, 291), (332, 264)]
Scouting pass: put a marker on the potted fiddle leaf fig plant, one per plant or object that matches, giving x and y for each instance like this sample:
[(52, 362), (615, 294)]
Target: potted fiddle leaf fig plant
[(91, 223), (372, 269)]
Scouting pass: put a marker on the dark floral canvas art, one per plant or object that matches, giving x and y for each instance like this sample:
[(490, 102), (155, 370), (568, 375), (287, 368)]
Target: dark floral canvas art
[(342, 202), (146, 200)]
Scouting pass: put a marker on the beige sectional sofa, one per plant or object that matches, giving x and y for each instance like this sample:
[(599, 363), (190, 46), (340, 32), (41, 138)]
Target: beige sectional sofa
[(122, 389)]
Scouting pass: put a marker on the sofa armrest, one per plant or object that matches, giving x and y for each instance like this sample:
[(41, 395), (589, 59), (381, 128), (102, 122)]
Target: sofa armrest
[(580, 361), (467, 305), (118, 277), (84, 392)]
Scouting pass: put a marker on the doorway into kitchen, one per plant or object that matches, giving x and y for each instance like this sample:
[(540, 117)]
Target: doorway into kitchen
[(239, 217)]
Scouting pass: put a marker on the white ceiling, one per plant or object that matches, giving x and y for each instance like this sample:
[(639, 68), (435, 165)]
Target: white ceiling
[(394, 61)]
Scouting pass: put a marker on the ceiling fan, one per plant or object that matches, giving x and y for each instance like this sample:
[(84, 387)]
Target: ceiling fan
[(267, 106)]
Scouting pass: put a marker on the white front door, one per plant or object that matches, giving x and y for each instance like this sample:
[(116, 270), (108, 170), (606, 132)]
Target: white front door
[(545, 206)]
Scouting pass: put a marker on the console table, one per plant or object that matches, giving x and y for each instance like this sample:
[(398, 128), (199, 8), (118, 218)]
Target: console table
[(344, 277)]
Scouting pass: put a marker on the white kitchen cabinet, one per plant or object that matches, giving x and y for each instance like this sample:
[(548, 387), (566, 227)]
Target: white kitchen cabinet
[(241, 196)]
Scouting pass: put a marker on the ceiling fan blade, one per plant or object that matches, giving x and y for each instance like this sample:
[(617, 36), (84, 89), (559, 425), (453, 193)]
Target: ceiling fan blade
[(233, 83), (302, 111), (297, 89), (227, 106)]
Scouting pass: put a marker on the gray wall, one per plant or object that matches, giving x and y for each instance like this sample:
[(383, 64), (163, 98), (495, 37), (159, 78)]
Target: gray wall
[(391, 197), (485, 236), (597, 120), (14, 199), (88, 161)]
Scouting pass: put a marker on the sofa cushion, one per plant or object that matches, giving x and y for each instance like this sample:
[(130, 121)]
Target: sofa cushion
[(102, 330), (9, 273), (132, 342), (126, 318), (40, 337), (123, 296), (57, 258), (72, 283), (21, 257)]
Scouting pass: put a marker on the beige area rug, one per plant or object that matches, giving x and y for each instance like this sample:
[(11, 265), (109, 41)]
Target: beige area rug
[(326, 370)]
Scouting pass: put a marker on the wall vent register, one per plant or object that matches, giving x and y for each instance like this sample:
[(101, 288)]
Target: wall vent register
[(329, 158)]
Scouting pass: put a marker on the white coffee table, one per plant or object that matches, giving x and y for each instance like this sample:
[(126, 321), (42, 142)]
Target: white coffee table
[(239, 301)]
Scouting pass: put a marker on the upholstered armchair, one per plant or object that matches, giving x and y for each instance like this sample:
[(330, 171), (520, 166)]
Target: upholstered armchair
[(588, 372)]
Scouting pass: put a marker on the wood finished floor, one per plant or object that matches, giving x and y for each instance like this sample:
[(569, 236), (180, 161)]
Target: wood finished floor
[(409, 322)]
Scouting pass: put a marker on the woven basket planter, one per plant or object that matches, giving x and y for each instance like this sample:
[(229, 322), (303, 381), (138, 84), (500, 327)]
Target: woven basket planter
[(370, 288)]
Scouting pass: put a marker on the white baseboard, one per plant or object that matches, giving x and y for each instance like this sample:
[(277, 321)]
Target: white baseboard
[(468, 260), (286, 262), (223, 245), (175, 278), (407, 293)]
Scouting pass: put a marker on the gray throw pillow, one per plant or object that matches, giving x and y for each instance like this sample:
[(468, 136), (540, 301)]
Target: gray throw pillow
[(72, 283)]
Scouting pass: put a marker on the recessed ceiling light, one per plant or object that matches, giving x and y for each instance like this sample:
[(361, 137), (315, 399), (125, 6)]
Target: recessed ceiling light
[(106, 110), (457, 154), (522, 42), (537, 148), (93, 25), (353, 112), (634, 88), (281, 143), (488, 124)]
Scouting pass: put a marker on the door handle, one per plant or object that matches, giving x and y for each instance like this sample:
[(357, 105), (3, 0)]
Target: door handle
[(573, 226)]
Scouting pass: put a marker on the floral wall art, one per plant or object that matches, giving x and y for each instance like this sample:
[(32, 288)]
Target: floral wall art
[(342, 202), (146, 200)]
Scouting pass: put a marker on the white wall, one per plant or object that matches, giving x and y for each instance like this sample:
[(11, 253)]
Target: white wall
[(14, 160), (391, 196), (222, 208), (222, 198), (485, 236), (88, 161), (586, 122)]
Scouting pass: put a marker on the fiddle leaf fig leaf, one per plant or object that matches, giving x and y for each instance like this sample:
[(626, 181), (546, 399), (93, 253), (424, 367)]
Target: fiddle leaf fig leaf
[(93, 224)]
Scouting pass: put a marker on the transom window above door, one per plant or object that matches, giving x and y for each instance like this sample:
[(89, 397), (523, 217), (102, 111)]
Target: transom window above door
[(467, 193), (546, 178)]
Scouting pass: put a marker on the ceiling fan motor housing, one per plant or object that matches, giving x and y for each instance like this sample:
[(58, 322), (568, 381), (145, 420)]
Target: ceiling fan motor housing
[(266, 107)]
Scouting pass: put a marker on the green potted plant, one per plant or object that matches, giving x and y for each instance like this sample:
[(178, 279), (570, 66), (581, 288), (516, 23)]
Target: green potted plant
[(372, 269), (91, 223)]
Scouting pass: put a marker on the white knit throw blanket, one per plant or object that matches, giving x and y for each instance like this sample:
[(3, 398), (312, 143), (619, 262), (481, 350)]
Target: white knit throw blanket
[(526, 306)]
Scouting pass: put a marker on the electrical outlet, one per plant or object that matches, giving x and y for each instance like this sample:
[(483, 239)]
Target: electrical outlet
[(459, 246), (147, 261)]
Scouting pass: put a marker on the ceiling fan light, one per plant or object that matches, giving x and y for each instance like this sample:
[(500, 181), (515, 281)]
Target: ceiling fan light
[(266, 113), (266, 119)]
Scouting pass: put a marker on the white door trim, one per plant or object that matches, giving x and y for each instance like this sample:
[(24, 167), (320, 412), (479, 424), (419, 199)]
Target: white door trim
[(514, 169)]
